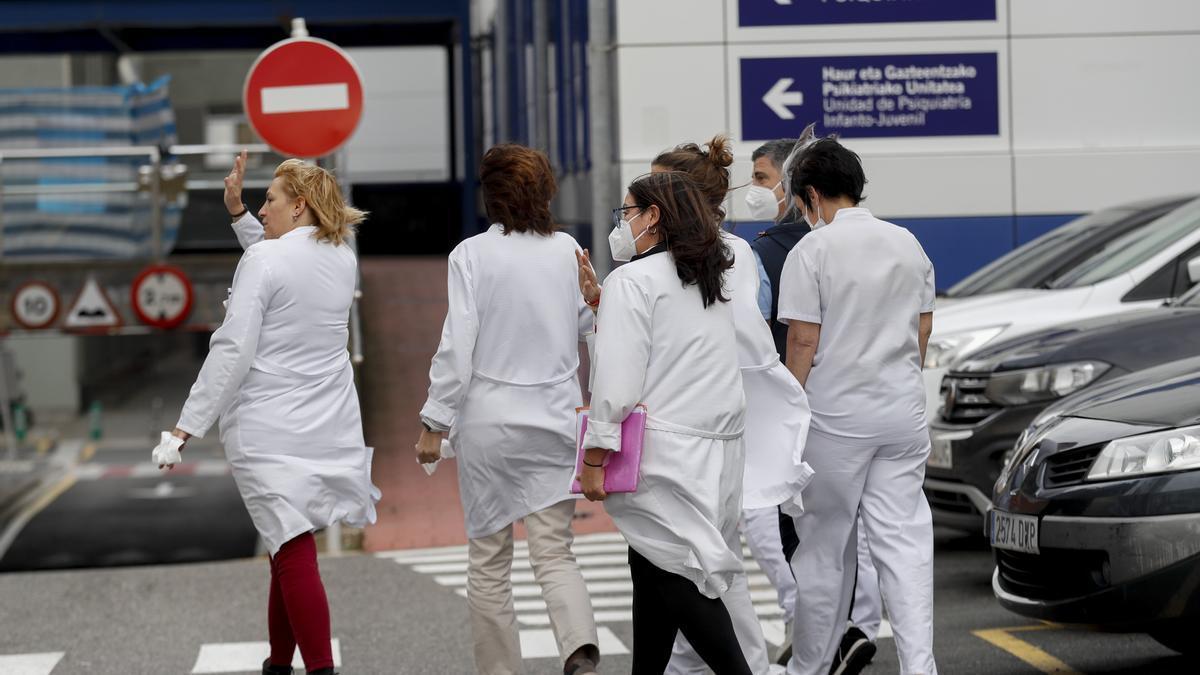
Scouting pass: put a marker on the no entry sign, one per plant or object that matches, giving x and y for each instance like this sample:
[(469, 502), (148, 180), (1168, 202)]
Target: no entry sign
[(162, 296), (304, 97)]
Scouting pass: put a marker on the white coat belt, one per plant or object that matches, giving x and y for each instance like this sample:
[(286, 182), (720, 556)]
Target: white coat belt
[(280, 371), (662, 425), (558, 379)]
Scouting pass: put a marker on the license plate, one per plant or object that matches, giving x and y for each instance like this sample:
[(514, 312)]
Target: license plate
[(941, 453), (1012, 532)]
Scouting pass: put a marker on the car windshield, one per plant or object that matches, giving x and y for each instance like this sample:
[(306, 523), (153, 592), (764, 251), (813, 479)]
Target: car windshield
[(1134, 248), (1032, 263)]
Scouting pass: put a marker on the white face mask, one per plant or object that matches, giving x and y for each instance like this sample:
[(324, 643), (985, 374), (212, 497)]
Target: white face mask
[(762, 202), (820, 221), (622, 243)]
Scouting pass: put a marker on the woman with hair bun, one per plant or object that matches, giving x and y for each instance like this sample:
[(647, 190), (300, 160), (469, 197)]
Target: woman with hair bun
[(665, 338), (279, 378)]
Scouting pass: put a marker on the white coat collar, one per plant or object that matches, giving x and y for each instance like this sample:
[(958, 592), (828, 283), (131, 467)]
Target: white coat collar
[(850, 212), (302, 230)]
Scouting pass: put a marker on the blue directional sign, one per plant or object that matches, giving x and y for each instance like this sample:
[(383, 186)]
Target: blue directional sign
[(876, 96), (813, 12)]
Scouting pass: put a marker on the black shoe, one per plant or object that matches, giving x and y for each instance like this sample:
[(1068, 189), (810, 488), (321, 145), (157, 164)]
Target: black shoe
[(855, 652), (269, 669)]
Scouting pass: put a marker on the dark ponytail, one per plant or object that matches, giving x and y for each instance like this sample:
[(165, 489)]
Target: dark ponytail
[(701, 256)]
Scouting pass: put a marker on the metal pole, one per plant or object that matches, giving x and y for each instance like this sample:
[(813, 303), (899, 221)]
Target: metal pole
[(500, 54), (1, 206), (156, 205), (602, 97), (10, 435), (541, 75)]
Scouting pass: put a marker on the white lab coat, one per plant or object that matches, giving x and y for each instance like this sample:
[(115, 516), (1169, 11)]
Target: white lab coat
[(278, 377), (657, 344), (777, 418), (504, 380), (777, 413)]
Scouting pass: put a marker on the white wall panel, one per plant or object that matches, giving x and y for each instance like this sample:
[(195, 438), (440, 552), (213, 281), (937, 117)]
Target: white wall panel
[(668, 95), (1088, 17), (1096, 92), (938, 185), (1067, 183), (670, 21)]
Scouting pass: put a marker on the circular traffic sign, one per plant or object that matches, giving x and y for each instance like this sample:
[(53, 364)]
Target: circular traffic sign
[(35, 305), (162, 296), (304, 97)]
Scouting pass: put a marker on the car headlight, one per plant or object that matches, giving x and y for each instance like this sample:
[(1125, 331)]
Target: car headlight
[(1018, 387), (1159, 452), (943, 350)]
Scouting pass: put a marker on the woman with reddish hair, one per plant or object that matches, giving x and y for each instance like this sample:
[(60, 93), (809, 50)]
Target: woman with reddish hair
[(503, 389)]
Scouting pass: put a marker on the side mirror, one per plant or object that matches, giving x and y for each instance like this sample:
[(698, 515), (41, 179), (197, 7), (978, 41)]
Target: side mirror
[(1193, 269)]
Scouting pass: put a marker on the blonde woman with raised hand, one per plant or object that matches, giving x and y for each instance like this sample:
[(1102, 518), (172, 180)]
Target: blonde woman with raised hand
[(278, 378)]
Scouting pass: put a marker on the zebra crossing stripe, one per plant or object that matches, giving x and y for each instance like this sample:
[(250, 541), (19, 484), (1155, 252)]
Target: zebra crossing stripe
[(29, 664), (244, 657), (540, 643)]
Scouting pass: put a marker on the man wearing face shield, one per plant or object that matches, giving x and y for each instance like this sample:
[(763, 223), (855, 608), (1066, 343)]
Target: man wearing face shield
[(857, 335)]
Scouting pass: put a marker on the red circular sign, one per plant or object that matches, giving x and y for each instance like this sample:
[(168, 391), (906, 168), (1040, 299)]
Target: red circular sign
[(35, 305), (304, 97), (161, 296)]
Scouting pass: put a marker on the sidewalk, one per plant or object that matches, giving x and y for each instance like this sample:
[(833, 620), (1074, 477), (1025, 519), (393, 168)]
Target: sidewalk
[(404, 303)]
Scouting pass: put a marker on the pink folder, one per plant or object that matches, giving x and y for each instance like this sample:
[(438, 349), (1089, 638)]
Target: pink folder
[(621, 469)]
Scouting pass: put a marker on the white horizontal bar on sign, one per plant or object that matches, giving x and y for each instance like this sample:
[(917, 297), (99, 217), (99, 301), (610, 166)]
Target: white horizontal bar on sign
[(305, 98)]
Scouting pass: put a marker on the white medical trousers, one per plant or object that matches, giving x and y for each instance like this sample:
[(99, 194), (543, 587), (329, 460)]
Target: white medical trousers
[(760, 527), (867, 612), (883, 485)]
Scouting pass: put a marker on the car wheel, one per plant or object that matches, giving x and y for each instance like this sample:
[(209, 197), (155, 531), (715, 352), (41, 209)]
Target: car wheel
[(1179, 636)]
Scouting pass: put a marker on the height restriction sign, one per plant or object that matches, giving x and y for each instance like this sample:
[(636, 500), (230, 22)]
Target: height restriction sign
[(162, 296), (304, 97)]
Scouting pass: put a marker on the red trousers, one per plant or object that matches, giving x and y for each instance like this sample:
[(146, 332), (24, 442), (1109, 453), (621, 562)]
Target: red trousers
[(297, 609)]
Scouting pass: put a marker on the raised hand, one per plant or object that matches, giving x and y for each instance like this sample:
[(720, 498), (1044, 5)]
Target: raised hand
[(589, 286), (233, 185)]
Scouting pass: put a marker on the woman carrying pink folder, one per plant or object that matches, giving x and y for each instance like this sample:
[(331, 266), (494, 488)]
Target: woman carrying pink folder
[(665, 338)]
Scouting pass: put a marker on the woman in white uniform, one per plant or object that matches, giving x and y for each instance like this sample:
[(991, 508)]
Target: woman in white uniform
[(665, 338), (279, 378), (504, 386), (857, 335), (777, 414)]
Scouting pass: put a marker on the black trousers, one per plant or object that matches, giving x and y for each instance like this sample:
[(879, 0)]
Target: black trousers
[(665, 604)]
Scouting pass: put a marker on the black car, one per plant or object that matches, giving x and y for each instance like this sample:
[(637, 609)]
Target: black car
[(1038, 262), (1096, 515), (991, 398)]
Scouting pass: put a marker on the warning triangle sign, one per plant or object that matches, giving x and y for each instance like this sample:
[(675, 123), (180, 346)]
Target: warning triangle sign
[(92, 309)]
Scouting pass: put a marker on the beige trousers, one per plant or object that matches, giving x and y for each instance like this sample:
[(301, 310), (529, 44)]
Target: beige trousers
[(490, 598)]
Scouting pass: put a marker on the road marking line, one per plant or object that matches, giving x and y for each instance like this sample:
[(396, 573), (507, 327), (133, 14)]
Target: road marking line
[(539, 643), (22, 519), (241, 657), (29, 664), (1005, 640), (305, 98)]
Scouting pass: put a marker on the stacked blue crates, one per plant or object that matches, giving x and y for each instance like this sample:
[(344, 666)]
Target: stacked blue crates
[(64, 225)]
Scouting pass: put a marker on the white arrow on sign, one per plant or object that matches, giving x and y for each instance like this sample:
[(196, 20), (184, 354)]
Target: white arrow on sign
[(783, 2), (778, 98)]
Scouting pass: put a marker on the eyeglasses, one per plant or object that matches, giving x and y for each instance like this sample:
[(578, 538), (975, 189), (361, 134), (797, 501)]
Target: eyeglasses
[(619, 213)]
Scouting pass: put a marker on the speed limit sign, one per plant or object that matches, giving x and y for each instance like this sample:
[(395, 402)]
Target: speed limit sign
[(35, 305), (162, 296)]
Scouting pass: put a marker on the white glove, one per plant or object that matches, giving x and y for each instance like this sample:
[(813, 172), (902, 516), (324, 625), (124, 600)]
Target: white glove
[(447, 453), (167, 452)]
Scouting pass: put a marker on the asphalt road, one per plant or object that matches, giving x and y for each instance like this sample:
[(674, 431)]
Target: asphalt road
[(391, 618), (115, 508)]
